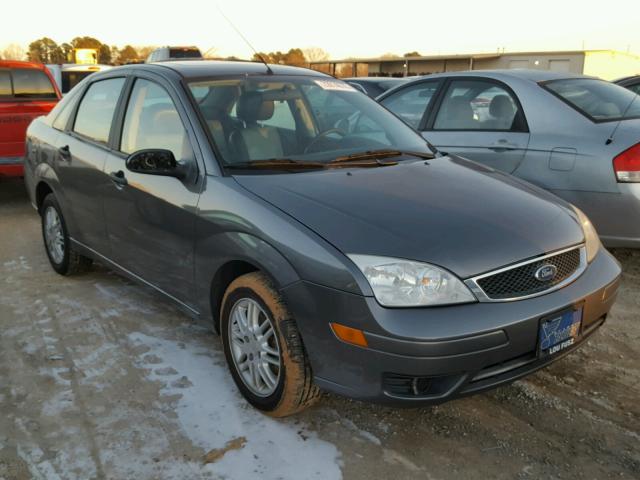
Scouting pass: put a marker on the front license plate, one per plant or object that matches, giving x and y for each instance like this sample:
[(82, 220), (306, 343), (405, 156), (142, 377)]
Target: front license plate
[(559, 331)]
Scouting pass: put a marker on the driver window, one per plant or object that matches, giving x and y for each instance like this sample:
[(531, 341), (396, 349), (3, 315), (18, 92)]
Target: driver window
[(152, 121), (410, 103)]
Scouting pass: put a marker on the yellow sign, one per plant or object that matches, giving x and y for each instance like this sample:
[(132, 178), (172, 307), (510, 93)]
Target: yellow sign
[(86, 56)]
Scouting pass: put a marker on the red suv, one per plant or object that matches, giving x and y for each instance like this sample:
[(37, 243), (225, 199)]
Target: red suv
[(27, 91)]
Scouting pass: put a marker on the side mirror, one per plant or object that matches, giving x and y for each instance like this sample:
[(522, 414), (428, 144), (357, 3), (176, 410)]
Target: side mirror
[(156, 162)]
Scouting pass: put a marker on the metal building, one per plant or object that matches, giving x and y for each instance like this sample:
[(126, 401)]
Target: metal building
[(607, 64)]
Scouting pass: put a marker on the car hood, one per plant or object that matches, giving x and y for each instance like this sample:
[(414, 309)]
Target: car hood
[(448, 211)]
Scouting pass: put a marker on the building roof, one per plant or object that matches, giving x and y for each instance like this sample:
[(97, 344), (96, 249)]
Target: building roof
[(466, 56)]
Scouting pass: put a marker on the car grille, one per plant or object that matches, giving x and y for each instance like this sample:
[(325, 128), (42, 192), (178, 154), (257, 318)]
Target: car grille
[(520, 281)]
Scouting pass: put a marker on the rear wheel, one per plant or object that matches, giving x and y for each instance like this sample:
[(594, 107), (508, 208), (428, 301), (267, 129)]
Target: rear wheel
[(264, 349), (56, 240)]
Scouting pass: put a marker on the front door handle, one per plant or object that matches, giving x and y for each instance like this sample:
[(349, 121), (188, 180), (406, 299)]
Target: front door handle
[(65, 153), (118, 178)]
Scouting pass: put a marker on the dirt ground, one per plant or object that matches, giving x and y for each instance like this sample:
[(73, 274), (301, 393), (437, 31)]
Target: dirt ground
[(101, 378)]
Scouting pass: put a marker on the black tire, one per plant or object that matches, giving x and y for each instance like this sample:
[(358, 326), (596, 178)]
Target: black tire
[(295, 390), (71, 262)]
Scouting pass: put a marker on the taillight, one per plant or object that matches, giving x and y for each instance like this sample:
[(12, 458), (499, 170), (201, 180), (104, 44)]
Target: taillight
[(627, 165)]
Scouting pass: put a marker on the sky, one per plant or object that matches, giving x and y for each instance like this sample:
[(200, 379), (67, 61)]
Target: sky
[(345, 28)]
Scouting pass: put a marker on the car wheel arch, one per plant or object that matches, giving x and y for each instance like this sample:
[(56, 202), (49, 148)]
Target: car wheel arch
[(42, 190)]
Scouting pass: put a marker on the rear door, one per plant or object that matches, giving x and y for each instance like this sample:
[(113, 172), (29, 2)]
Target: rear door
[(25, 93), (81, 153), (150, 218), (480, 119)]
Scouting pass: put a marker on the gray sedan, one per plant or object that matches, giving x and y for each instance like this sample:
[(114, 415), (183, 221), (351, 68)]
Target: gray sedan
[(573, 135), (357, 260)]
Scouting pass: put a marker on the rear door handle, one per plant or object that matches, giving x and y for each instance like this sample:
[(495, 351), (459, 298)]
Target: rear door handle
[(503, 146), (118, 178), (65, 152)]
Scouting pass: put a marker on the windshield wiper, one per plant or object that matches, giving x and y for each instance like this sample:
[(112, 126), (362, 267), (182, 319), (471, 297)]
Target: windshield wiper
[(275, 163), (380, 154)]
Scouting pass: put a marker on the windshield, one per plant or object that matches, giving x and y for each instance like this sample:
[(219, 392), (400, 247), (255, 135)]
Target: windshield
[(307, 119), (598, 100)]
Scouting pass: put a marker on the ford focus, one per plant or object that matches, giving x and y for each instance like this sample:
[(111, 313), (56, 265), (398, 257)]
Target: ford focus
[(329, 254)]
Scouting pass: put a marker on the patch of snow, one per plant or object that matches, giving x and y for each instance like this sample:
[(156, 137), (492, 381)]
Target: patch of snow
[(211, 412)]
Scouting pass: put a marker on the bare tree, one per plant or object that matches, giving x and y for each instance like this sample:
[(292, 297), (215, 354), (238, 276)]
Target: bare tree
[(315, 54), (13, 51)]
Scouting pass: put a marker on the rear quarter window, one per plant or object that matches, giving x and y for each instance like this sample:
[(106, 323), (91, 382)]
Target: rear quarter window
[(597, 100)]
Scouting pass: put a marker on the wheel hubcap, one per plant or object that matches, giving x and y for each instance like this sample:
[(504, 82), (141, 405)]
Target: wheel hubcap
[(53, 234), (254, 347)]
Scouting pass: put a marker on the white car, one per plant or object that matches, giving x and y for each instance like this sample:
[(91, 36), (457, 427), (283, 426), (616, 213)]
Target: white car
[(68, 75)]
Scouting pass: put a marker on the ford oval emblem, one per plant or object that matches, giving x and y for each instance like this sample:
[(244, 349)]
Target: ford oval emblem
[(546, 273)]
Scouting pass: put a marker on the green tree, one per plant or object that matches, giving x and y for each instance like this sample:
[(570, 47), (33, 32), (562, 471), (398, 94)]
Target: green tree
[(128, 54), (104, 54), (45, 50), (412, 54), (294, 56), (86, 42), (67, 52)]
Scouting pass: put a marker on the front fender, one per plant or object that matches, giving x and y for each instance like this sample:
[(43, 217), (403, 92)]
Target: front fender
[(218, 250)]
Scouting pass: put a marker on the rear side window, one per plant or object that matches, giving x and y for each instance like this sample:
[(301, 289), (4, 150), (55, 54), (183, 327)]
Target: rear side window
[(26, 83), (95, 113), (478, 105), (597, 100)]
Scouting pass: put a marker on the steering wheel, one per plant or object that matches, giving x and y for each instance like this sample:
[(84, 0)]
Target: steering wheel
[(322, 135)]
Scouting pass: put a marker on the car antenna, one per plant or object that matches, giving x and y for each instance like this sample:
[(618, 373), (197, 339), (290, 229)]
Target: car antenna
[(610, 139), (260, 57)]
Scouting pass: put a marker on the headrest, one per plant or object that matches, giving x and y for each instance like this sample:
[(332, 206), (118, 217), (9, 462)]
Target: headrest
[(501, 107), (252, 107), (459, 107)]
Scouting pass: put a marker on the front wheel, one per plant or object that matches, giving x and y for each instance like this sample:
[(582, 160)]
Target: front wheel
[(56, 240), (264, 349)]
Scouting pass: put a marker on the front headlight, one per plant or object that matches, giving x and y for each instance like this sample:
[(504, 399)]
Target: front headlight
[(591, 238), (403, 283)]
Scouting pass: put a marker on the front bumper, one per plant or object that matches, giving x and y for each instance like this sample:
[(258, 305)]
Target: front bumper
[(448, 351)]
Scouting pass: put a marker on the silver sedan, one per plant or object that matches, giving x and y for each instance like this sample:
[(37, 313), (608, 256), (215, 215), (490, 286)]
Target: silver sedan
[(576, 136)]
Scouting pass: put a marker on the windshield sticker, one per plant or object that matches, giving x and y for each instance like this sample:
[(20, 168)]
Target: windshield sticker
[(335, 85)]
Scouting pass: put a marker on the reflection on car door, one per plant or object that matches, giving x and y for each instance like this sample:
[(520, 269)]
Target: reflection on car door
[(151, 219), (481, 120), (79, 162), (411, 102)]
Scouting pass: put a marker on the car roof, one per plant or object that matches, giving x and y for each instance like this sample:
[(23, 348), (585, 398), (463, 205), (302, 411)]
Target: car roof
[(20, 64), (505, 74), (203, 68)]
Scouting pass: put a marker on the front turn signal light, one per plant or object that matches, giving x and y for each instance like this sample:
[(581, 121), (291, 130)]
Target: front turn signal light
[(349, 335)]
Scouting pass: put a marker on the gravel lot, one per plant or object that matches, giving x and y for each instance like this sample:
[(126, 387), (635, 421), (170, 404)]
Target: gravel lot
[(101, 378)]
